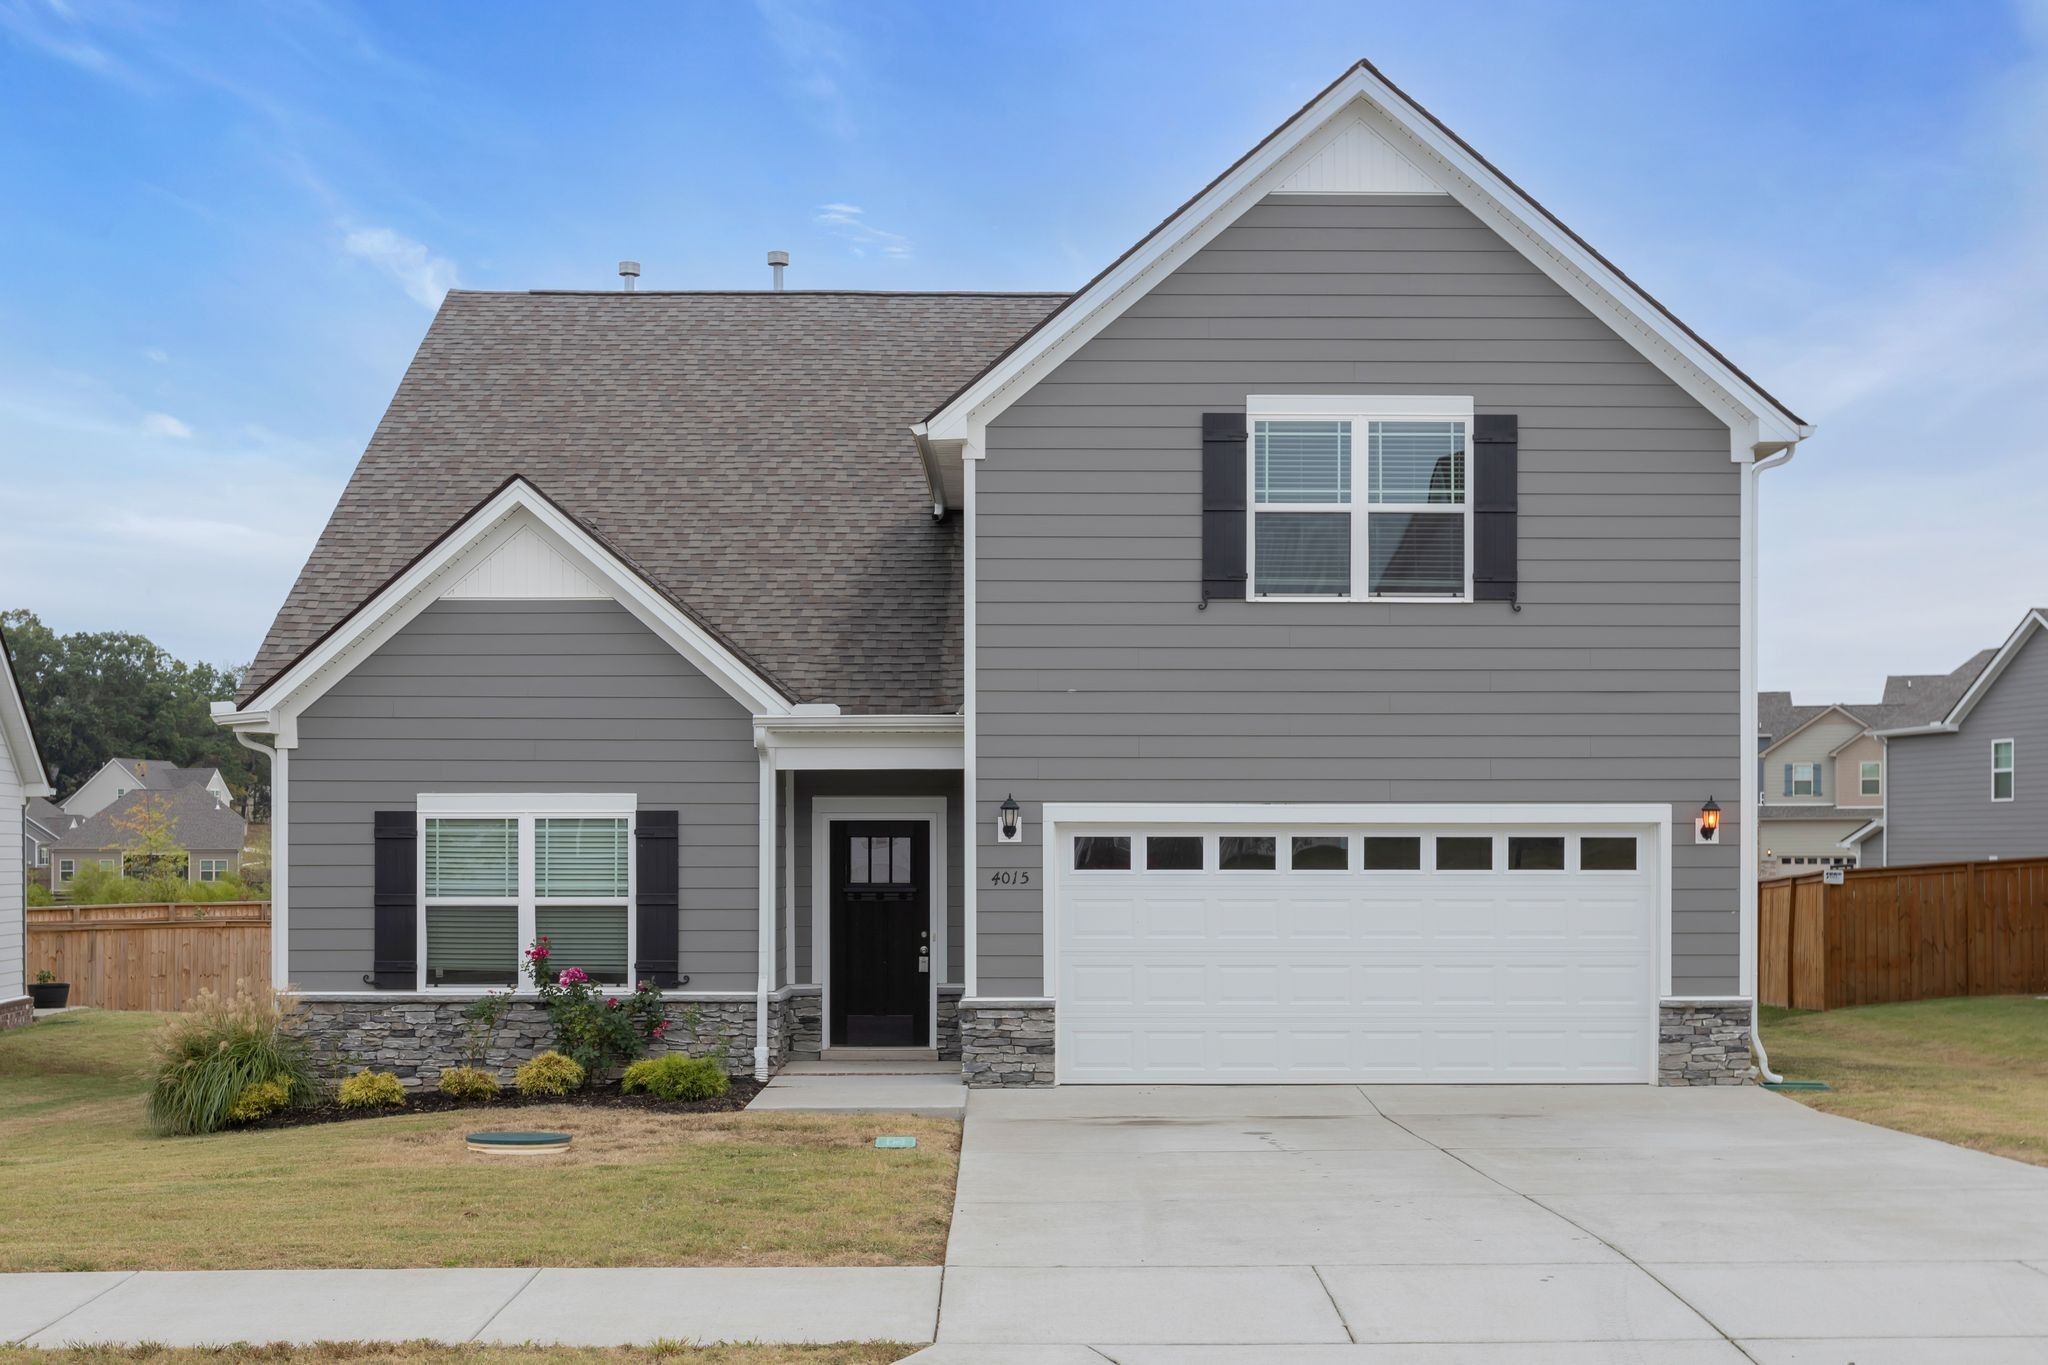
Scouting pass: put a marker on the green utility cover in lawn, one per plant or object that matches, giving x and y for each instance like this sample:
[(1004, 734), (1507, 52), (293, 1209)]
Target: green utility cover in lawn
[(896, 1142), (518, 1143), (1796, 1085)]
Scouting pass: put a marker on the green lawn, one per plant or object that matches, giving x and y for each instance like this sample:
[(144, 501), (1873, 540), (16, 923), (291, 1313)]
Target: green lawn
[(1971, 1071), (90, 1189)]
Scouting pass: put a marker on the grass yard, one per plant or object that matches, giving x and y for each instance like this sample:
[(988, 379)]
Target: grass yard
[(1971, 1071), (92, 1190), (416, 1353)]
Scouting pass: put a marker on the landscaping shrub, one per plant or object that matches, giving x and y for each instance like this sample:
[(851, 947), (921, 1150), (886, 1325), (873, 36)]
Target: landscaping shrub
[(372, 1090), (600, 1030), (676, 1077), (206, 1057), (469, 1083), (550, 1074), (259, 1101)]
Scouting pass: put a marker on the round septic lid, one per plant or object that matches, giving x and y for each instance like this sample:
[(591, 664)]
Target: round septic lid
[(519, 1143)]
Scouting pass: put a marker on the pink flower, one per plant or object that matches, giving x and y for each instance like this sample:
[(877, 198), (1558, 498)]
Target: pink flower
[(572, 976), (611, 1002), (660, 1029), (539, 951)]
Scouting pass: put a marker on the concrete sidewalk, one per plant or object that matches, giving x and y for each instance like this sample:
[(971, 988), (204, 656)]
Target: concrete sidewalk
[(594, 1307), (929, 1088)]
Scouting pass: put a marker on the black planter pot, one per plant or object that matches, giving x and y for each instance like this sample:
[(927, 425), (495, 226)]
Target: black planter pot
[(49, 995)]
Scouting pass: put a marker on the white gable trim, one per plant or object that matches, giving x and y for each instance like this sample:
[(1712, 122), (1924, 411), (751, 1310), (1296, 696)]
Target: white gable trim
[(517, 512), (1362, 96), (1968, 701), (1831, 709), (527, 568), (20, 737)]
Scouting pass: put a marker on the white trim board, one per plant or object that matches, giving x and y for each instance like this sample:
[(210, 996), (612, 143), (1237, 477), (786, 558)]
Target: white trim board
[(518, 511), (1363, 98), (18, 735), (932, 810)]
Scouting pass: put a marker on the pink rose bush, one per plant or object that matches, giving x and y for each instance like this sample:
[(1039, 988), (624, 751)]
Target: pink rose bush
[(600, 1032)]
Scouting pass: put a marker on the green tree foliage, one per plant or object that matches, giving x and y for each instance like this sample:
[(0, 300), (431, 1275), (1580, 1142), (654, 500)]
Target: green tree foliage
[(92, 696)]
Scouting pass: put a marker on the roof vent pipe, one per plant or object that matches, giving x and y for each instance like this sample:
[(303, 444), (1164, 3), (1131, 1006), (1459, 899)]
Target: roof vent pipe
[(777, 260), (629, 274)]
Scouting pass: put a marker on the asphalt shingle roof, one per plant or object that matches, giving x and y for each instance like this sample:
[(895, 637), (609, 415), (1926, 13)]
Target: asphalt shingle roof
[(748, 452), (191, 817), (160, 775), (1909, 699)]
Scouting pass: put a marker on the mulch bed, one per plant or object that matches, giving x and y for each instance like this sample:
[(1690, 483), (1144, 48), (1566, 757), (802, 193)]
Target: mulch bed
[(600, 1096)]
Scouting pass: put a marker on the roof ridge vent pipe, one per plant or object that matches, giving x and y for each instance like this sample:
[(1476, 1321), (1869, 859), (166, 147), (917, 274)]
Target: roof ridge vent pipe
[(629, 274), (778, 261)]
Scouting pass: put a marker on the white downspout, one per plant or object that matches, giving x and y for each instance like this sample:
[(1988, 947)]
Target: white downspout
[(280, 859), (1752, 470), (764, 943)]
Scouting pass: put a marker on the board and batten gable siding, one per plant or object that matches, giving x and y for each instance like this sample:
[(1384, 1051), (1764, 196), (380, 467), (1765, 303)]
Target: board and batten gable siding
[(1098, 678), (1940, 807), (495, 696)]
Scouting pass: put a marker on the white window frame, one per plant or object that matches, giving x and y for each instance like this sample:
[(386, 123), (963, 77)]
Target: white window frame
[(1360, 410), (2010, 770), (67, 868), (1865, 778), (525, 808), (1812, 771), (210, 869)]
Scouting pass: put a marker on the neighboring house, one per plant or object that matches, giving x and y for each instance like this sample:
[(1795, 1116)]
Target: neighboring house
[(1822, 769), (1967, 782), (42, 822), (119, 776), (208, 833), (21, 781), (1304, 654)]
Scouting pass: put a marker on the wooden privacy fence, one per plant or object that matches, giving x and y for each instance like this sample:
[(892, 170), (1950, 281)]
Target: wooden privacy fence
[(1904, 933), (150, 957)]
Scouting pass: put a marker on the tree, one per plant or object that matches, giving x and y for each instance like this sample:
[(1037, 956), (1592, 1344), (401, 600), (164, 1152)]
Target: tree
[(94, 695)]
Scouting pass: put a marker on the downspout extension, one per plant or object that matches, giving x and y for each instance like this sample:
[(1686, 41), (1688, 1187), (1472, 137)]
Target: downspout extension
[(1756, 1036)]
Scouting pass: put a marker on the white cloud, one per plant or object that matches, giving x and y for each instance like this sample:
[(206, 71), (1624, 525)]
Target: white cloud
[(424, 276), (849, 222), (819, 55), (157, 355), (163, 424)]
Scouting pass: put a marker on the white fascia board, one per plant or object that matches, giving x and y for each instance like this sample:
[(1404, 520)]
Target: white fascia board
[(1968, 701), (1862, 832), (854, 742), (1574, 267), (20, 739), (1386, 813), (413, 591)]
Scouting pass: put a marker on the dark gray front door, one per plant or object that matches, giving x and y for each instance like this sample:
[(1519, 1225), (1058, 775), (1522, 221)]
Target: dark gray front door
[(881, 933)]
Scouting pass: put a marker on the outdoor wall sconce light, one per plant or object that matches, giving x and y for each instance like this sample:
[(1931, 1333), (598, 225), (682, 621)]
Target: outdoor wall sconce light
[(1709, 828), (1009, 821)]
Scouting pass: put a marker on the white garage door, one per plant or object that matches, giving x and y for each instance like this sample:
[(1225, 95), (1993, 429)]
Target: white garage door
[(1221, 953)]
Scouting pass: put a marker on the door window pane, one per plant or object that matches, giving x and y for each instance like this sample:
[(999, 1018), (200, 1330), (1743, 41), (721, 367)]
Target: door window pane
[(1393, 852), (473, 858), (1536, 853), (472, 945), (1236, 853), (1102, 853), (1464, 853), (1419, 554), (1321, 853), (1418, 462), (1302, 461), (1607, 853), (1303, 554), (1173, 853), (579, 858), (590, 937)]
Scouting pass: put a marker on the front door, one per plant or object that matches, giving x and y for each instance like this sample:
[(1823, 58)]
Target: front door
[(881, 933)]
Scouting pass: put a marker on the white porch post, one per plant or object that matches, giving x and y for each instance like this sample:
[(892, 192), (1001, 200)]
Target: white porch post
[(764, 947)]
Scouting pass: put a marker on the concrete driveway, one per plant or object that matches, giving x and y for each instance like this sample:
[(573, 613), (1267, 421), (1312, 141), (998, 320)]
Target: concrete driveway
[(1326, 1225)]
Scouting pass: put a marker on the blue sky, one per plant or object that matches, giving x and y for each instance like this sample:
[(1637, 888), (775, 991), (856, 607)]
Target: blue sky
[(224, 227)]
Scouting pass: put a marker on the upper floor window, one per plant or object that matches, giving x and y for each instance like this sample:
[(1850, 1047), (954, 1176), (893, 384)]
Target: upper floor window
[(1870, 777), (2001, 770), (1402, 531), (1802, 778)]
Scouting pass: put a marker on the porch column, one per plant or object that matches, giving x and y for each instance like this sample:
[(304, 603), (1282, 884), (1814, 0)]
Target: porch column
[(764, 948)]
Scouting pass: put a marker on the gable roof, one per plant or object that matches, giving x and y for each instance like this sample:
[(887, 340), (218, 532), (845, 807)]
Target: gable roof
[(1423, 143), (1910, 699), (1794, 718), (780, 420), (1985, 669), (191, 814), (51, 818), (17, 732), (160, 774)]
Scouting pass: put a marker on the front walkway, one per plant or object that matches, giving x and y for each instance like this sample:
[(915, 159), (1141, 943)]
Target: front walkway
[(933, 1089), (1333, 1225)]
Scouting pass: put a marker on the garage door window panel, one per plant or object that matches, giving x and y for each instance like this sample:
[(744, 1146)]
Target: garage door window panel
[(1320, 853), (1173, 853), (1464, 853), (1607, 853), (1536, 853), (1102, 853), (1247, 853)]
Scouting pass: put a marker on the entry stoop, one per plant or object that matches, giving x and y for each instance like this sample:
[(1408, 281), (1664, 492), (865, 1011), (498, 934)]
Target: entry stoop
[(910, 1084)]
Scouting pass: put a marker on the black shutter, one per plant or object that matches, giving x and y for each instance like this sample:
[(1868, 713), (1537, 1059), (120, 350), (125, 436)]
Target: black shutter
[(394, 958), (1223, 508), (1496, 444), (657, 906)]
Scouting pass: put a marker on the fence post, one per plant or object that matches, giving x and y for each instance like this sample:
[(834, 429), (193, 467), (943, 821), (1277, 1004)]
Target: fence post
[(1970, 929)]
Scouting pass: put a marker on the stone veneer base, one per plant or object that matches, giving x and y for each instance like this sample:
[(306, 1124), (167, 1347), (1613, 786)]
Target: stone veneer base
[(1704, 1042), (18, 1012), (1005, 1043)]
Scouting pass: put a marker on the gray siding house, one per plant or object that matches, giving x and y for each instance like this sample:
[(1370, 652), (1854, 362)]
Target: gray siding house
[(1961, 789), (1319, 649)]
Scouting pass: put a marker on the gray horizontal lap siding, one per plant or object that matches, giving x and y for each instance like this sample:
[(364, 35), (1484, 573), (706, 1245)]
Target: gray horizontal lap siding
[(1099, 680), (477, 696), (1939, 806)]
